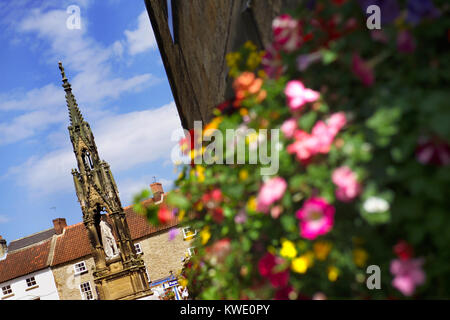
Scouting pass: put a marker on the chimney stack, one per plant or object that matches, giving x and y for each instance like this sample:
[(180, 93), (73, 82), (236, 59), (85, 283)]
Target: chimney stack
[(157, 191), (3, 247), (59, 225)]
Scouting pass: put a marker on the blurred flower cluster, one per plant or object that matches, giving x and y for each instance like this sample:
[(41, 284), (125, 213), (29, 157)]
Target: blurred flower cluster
[(364, 161)]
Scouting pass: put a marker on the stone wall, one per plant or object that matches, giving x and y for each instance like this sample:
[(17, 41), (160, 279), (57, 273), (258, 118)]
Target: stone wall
[(68, 284), (161, 255), (204, 31)]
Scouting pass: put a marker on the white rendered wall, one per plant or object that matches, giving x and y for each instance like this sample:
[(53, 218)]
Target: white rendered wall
[(45, 288)]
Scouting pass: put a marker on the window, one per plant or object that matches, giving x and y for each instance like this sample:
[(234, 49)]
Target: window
[(138, 248), (31, 282), (188, 234), (86, 291), (80, 267), (6, 290)]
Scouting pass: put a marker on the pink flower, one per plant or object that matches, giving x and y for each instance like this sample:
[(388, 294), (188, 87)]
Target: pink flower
[(288, 128), (302, 147), (362, 70), (320, 140), (324, 137), (407, 275), (405, 42), (287, 33), (336, 122), (316, 218), (271, 191), (297, 95), (347, 184), (266, 267)]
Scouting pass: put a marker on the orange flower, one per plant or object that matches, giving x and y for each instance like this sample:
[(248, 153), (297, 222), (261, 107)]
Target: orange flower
[(247, 84)]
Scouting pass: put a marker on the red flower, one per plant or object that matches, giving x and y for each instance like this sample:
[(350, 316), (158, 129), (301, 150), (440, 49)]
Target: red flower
[(266, 264), (217, 215), (164, 214), (216, 195), (279, 279), (404, 250), (266, 267)]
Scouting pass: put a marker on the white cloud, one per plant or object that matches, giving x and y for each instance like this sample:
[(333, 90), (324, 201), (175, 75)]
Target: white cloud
[(124, 141), (142, 38), (89, 68), (28, 124)]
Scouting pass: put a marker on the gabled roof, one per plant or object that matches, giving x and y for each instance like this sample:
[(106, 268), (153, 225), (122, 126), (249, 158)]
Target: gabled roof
[(24, 261)]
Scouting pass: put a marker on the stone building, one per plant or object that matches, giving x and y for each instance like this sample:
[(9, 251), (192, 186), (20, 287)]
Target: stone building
[(194, 36)]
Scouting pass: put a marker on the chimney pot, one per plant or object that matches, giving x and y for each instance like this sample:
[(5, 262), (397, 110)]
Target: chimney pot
[(59, 225), (157, 191)]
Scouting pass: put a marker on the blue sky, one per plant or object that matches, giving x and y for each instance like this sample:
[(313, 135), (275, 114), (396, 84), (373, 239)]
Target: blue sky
[(119, 81)]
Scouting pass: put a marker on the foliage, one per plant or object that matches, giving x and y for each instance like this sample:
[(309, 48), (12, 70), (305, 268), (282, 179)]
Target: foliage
[(367, 158)]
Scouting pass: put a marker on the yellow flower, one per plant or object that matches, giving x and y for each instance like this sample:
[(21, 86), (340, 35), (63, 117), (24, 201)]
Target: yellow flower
[(360, 257), (205, 235), (333, 273), (232, 59), (250, 45), (322, 249), (200, 173), (300, 264), (243, 175), (251, 138), (288, 249), (199, 206), (181, 215), (253, 60), (183, 282), (251, 204)]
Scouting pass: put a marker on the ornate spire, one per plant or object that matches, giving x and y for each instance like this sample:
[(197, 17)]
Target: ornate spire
[(76, 118)]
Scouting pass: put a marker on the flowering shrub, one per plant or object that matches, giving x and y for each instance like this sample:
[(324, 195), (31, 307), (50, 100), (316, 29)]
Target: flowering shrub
[(363, 151)]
